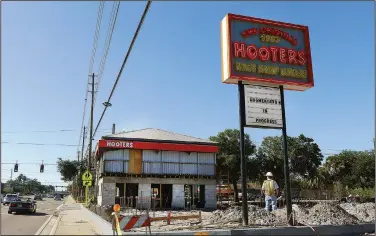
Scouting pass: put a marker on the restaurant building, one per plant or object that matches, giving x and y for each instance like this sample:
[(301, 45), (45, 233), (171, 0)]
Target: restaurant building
[(178, 170)]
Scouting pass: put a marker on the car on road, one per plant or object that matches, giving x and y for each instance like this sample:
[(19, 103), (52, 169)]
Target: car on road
[(22, 206), (38, 197), (57, 198), (9, 198)]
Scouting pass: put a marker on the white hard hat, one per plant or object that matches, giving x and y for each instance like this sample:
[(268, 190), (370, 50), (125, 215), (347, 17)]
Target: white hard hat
[(269, 174)]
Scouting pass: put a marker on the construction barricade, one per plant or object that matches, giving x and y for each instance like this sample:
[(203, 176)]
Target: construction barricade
[(123, 223)]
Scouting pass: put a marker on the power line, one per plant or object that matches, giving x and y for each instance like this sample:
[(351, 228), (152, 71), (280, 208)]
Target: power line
[(44, 144), (94, 50), (22, 163), (124, 62), (107, 45), (50, 131), (110, 31)]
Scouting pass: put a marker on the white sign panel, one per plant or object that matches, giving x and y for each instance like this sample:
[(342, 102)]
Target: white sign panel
[(262, 106)]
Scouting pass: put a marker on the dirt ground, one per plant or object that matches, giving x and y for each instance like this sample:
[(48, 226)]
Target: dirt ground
[(320, 214)]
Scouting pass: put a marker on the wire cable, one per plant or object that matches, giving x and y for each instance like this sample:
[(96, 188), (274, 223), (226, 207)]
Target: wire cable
[(122, 67), (111, 28), (43, 144), (22, 163), (106, 48), (50, 131), (124, 62), (93, 53)]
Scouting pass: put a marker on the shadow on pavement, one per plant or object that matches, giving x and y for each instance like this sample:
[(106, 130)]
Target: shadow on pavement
[(35, 214)]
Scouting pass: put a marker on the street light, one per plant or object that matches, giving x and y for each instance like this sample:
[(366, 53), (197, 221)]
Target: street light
[(107, 104)]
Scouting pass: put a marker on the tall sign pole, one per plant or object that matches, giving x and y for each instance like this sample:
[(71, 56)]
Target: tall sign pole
[(242, 154), (264, 58), (286, 160)]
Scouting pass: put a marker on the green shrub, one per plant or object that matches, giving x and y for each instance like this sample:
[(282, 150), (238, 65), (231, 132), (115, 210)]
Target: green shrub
[(363, 193)]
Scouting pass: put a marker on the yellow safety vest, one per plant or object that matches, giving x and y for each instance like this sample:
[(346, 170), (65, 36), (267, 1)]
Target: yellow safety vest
[(269, 187)]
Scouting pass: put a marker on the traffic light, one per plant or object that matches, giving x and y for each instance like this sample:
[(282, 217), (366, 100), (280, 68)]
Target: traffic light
[(16, 167), (41, 168)]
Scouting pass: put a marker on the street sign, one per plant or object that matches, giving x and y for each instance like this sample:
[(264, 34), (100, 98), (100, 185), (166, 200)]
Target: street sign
[(87, 176), (86, 183), (262, 107)]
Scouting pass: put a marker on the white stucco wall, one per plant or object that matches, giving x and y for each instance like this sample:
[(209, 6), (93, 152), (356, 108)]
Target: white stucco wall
[(210, 196), (108, 194), (144, 194), (177, 196)]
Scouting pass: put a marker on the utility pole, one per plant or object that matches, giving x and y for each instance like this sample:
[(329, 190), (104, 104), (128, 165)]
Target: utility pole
[(91, 121), (11, 175), (83, 143)]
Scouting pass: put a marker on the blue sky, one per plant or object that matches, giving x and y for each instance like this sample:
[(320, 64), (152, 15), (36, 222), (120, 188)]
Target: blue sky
[(172, 80)]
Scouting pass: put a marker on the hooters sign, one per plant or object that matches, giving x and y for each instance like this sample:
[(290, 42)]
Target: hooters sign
[(265, 52), (120, 144), (116, 144)]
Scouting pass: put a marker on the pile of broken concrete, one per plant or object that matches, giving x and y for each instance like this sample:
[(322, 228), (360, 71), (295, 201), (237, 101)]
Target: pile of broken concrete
[(320, 214)]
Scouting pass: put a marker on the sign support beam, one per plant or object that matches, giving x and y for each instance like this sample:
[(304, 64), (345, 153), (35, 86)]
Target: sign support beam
[(286, 160), (242, 154)]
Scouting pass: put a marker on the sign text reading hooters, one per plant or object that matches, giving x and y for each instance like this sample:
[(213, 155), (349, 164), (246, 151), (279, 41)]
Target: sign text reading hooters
[(119, 144)]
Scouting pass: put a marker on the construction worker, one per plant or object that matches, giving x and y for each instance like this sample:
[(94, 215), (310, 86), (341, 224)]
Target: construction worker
[(270, 190)]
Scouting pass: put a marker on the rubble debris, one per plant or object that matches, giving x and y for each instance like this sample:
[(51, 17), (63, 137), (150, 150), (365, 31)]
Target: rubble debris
[(365, 212), (256, 216), (327, 214), (320, 214)]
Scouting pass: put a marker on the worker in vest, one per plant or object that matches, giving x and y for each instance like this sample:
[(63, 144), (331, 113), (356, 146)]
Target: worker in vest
[(270, 189)]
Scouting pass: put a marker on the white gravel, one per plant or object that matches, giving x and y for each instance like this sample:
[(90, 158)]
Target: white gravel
[(320, 214), (365, 212)]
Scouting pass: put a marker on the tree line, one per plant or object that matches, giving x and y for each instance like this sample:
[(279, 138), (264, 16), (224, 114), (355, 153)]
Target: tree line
[(348, 171), (24, 185)]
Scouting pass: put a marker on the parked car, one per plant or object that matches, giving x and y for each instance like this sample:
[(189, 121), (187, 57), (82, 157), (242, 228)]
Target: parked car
[(22, 206), (9, 198), (38, 197), (57, 197)]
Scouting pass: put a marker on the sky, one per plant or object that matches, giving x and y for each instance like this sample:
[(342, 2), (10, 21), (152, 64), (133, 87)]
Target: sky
[(172, 80)]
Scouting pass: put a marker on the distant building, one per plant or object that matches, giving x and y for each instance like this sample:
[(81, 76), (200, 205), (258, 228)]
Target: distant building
[(178, 170)]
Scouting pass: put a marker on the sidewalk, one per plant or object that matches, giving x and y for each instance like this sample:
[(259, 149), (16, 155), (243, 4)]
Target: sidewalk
[(75, 219)]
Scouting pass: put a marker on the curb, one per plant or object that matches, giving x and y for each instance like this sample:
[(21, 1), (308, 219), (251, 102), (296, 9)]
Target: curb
[(44, 225), (54, 227), (345, 230), (320, 230), (102, 224), (40, 230)]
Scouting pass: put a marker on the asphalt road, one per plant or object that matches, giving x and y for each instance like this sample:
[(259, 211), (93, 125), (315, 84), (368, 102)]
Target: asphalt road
[(24, 224)]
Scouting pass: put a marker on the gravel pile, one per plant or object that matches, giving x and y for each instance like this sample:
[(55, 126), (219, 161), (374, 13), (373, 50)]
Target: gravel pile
[(320, 214), (256, 216), (326, 214), (365, 212)]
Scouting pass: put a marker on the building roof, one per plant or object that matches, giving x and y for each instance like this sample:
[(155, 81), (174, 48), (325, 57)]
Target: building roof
[(157, 135)]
